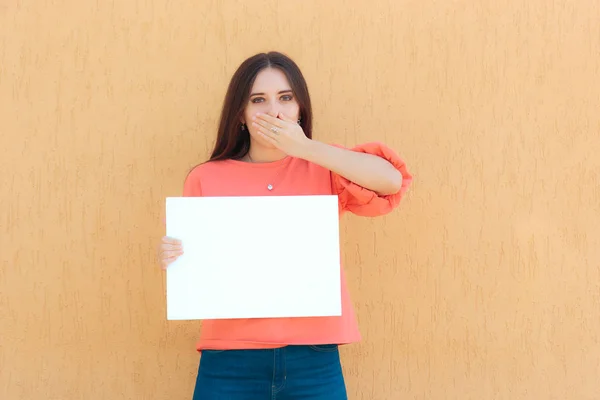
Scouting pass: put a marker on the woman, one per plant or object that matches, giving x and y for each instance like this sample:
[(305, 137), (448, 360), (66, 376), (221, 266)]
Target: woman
[(264, 147)]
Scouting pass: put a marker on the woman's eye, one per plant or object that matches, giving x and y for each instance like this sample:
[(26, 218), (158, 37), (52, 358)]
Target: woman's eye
[(286, 97)]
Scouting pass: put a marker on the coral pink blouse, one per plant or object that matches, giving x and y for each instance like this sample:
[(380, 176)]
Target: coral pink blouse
[(290, 177)]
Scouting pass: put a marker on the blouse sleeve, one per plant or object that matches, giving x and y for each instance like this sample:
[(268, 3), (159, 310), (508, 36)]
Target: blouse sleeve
[(191, 186), (364, 202)]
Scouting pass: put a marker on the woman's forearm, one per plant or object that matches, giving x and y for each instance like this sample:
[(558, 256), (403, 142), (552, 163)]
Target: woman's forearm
[(366, 170)]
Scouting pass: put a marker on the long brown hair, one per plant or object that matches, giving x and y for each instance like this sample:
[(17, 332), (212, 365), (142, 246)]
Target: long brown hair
[(233, 142)]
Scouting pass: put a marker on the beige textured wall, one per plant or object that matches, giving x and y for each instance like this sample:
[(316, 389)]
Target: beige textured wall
[(485, 285)]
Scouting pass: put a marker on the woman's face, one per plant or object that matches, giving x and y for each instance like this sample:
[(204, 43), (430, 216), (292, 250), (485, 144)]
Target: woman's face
[(271, 94)]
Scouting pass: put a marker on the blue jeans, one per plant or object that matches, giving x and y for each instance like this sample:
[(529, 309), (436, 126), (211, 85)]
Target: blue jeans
[(287, 373)]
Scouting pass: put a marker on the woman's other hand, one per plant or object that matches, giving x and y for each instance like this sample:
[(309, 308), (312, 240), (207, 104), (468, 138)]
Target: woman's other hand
[(170, 249)]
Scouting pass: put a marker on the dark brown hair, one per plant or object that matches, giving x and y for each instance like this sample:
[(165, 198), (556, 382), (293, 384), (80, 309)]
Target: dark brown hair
[(233, 142)]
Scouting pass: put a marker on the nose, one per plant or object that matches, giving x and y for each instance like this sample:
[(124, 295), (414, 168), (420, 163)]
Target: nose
[(274, 108)]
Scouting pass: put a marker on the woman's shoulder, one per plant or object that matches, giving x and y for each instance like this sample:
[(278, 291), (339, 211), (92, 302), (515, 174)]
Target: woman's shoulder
[(209, 168)]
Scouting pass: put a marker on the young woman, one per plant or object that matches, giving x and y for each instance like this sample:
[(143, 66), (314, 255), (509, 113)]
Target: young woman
[(264, 147)]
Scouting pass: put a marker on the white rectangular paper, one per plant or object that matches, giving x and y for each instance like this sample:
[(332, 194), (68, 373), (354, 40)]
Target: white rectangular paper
[(254, 257)]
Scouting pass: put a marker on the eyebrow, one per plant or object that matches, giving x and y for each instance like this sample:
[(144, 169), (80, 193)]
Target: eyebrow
[(262, 94)]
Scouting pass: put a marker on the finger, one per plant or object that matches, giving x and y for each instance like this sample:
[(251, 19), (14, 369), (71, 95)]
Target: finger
[(269, 119), (171, 257), (170, 240), (267, 132), (268, 135), (263, 123), (170, 246), (284, 117), (170, 253), (269, 128), (168, 260)]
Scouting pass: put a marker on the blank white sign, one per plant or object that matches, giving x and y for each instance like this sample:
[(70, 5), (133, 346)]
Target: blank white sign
[(254, 257)]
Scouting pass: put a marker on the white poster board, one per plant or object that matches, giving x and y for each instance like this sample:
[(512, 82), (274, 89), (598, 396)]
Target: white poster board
[(254, 257)]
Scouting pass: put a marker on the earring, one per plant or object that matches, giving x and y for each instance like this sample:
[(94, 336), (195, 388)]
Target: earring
[(299, 120), (243, 127)]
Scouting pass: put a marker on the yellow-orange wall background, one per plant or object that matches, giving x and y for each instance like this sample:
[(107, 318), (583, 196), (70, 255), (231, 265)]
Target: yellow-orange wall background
[(485, 284)]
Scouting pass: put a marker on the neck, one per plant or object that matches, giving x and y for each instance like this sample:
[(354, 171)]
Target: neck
[(262, 155)]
